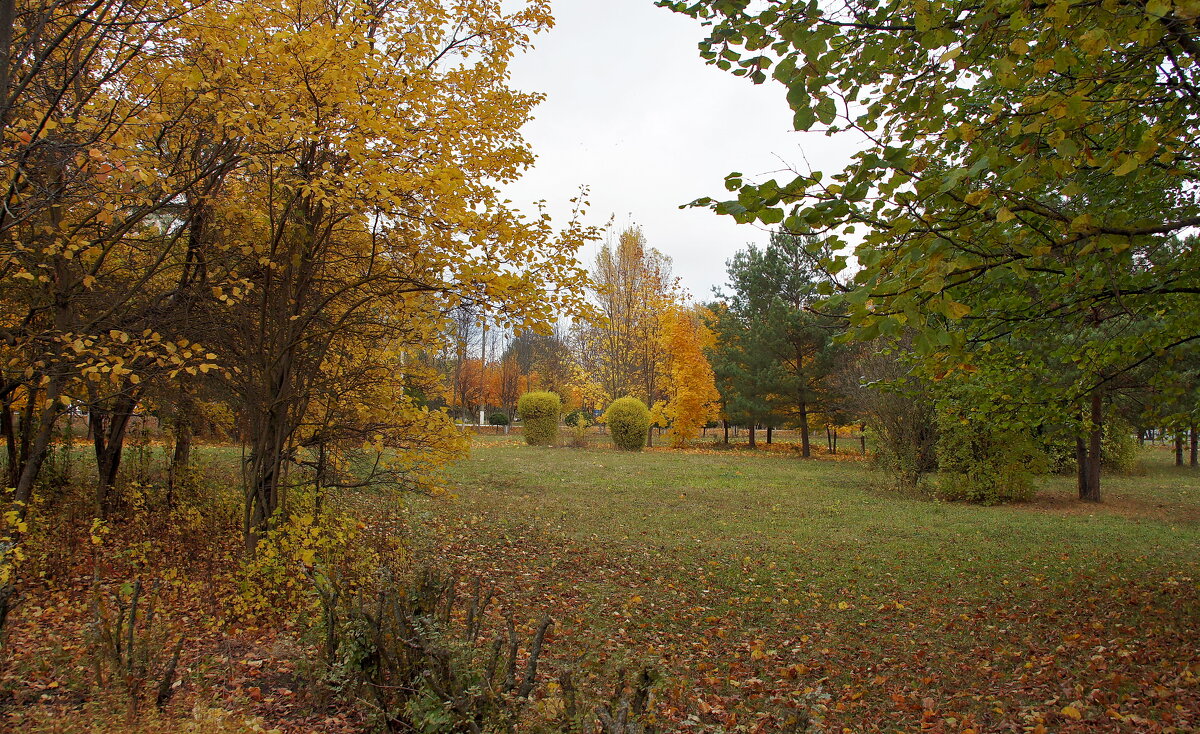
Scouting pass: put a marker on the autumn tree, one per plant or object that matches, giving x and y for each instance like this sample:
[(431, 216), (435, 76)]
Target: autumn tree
[(369, 202), (691, 391), (509, 386), (96, 244), (543, 359), (633, 286)]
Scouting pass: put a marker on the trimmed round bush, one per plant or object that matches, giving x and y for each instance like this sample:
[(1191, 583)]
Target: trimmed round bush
[(628, 419), (498, 419), (539, 416)]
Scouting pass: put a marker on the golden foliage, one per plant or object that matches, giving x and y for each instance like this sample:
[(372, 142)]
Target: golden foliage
[(691, 387)]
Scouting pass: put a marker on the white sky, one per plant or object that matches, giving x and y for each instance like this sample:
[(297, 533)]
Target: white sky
[(635, 114)]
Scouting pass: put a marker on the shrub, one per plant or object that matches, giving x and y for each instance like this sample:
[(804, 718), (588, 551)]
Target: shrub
[(628, 419), (539, 416), (572, 418), (436, 661), (981, 462), (498, 419), (131, 647), (899, 407), (905, 429), (1118, 449), (578, 426)]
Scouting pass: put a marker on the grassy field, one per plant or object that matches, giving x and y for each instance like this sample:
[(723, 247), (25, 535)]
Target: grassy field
[(760, 587), (762, 584)]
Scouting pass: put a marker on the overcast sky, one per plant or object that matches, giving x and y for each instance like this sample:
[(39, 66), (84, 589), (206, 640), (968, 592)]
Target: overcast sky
[(634, 113)]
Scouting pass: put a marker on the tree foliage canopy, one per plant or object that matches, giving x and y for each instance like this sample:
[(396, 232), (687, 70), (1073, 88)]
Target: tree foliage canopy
[(1023, 164)]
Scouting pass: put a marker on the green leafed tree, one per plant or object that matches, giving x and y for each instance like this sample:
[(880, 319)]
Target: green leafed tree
[(741, 368), (776, 350), (1028, 172)]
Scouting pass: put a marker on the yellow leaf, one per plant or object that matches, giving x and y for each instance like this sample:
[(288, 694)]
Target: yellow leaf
[(1004, 214), (975, 198), (957, 310), (1129, 166), (1082, 223), (1072, 713)]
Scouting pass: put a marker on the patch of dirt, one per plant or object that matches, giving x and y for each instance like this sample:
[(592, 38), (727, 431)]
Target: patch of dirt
[(1066, 503)]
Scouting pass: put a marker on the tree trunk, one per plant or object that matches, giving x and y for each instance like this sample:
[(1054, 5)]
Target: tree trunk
[(862, 441), (805, 449), (752, 444), (266, 466), (36, 444), (835, 441), (319, 481), (1088, 453), (181, 458), (1081, 466), (108, 437), (9, 428), (1178, 447), (27, 429), (770, 430), (725, 431)]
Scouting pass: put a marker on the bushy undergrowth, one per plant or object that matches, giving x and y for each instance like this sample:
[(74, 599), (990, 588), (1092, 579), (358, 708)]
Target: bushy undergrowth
[(578, 428), (434, 660), (982, 462), (575, 416), (1118, 450)]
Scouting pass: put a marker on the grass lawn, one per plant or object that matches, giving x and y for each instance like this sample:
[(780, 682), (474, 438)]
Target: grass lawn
[(762, 588), (762, 584)]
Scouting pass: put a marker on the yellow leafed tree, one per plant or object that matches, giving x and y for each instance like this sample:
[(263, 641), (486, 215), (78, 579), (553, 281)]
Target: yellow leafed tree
[(621, 347), (305, 189), (692, 396), (373, 137)]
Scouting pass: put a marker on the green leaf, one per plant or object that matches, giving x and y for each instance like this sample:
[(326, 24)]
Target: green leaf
[(950, 55), (771, 216), (826, 110), (804, 119)]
